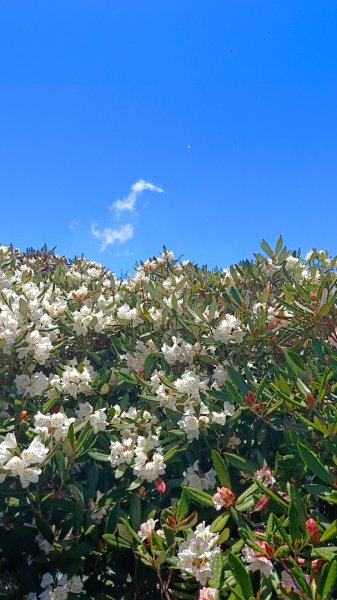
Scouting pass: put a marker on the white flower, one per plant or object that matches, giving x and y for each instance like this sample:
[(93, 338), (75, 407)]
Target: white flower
[(97, 418), (190, 384), (122, 452), (196, 554), (257, 562), (74, 380), (265, 476), (59, 587), (147, 528), (136, 360), (180, 352), (21, 466), (220, 417), (220, 374), (229, 330), (126, 313), (189, 424), (55, 425), (195, 478), (31, 386)]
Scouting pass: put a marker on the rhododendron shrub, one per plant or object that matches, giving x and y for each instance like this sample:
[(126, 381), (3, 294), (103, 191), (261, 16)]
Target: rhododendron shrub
[(171, 434)]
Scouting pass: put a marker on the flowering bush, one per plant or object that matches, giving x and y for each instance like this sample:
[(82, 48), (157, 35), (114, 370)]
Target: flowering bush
[(170, 435)]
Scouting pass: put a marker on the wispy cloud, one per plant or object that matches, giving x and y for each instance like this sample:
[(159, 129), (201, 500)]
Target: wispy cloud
[(129, 202), (111, 236), (73, 224)]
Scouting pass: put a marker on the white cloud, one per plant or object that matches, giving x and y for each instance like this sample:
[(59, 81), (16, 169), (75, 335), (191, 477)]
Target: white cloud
[(110, 236), (137, 188), (75, 223)]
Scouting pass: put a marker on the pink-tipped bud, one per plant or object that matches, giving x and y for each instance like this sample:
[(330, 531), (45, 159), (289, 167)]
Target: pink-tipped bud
[(318, 564), (160, 485), (262, 503), (224, 498), (312, 529)]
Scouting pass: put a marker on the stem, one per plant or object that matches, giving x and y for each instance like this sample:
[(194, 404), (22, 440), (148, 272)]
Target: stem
[(164, 585)]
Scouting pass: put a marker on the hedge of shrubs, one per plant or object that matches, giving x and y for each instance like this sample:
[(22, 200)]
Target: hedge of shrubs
[(171, 434)]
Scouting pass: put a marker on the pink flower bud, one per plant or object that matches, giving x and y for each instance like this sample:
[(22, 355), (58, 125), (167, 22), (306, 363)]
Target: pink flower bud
[(312, 529), (318, 564), (261, 504), (160, 485), (224, 498)]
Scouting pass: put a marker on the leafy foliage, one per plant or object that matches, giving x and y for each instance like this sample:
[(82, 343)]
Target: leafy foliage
[(169, 435)]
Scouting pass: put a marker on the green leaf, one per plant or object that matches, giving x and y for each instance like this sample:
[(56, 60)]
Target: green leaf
[(112, 519), (198, 496), (313, 463), (219, 523), (182, 507), (294, 361), (236, 296), (135, 511), (326, 552), (241, 463), (44, 528), (99, 456), (293, 523), (125, 530), (238, 380), (116, 541), (272, 495), (283, 533), (148, 365), (330, 583), (330, 532), (241, 576), (300, 579), (279, 245), (223, 536), (296, 499), (172, 452), (221, 469), (234, 394), (217, 570), (267, 249), (60, 464)]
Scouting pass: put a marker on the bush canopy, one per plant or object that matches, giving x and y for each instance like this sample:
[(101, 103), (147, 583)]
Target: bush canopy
[(171, 434)]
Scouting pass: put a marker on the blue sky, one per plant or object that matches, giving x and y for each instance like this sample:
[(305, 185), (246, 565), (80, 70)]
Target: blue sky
[(229, 106)]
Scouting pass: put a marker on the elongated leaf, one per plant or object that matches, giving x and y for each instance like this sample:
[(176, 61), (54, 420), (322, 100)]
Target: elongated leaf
[(314, 464), (241, 463), (116, 541), (238, 380), (234, 394), (135, 511), (182, 507), (221, 469), (198, 496), (241, 576), (293, 523), (44, 528), (330, 533), (217, 570), (283, 533), (219, 523), (331, 582)]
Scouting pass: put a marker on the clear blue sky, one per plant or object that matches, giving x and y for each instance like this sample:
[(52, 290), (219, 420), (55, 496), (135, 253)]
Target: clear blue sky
[(95, 95)]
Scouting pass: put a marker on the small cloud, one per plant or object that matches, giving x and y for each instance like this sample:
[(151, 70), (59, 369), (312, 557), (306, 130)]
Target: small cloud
[(137, 188), (75, 223), (110, 236)]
